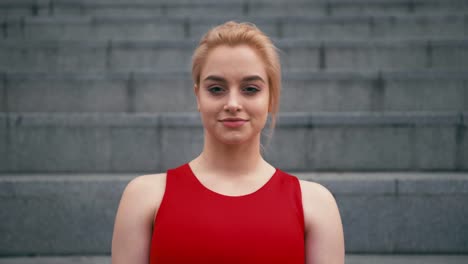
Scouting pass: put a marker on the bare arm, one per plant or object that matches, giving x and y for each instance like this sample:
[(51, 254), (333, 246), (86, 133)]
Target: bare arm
[(133, 223), (324, 243)]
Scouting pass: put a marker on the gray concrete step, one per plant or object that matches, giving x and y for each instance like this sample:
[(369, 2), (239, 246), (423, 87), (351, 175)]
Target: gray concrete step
[(163, 27), (390, 213), (145, 142), (350, 259), (12, 8), (359, 55), (302, 92)]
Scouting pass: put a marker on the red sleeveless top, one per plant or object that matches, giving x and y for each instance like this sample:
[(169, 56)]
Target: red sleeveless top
[(197, 225)]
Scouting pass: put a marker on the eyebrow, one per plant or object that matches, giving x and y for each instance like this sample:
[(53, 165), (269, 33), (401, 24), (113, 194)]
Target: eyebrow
[(215, 78), (249, 78), (253, 78)]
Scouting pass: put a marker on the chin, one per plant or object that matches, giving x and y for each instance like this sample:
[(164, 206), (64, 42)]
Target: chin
[(234, 140), (243, 136)]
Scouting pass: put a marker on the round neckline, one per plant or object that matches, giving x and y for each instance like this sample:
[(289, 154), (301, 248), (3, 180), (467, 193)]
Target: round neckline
[(264, 186)]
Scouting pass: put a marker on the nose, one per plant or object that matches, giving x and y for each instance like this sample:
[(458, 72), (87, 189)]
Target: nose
[(233, 103)]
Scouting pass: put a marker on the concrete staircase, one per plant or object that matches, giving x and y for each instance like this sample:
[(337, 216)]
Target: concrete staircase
[(374, 106)]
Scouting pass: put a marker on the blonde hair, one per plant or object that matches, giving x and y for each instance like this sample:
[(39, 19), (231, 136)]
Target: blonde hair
[(233, 34)]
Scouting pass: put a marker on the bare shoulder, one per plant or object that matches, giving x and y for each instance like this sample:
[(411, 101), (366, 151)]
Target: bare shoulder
[(324, 240), (317, 201), (315, 190), (133, 222), (147, 189), (148, 182), (144, 193)]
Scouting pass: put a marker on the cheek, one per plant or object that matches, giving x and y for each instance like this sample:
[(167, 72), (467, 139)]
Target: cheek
[(209, 108), (262, 103), (205, 103)]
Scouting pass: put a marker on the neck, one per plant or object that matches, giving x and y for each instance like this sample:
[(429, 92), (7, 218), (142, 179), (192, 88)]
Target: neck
[(237, 159)]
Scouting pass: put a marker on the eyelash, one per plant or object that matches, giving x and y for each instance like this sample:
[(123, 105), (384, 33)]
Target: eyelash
[(250, 90), (253, 91), (212, 90)]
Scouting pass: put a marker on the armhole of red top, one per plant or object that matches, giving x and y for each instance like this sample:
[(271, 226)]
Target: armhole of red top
[(301, 205), (163, 199), (297, 192)]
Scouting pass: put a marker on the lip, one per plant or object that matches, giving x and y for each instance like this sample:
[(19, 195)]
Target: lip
[(233, 122), (232, 119)]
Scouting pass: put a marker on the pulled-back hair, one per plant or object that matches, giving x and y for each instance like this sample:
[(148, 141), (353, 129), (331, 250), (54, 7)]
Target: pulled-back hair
[(233, 34)]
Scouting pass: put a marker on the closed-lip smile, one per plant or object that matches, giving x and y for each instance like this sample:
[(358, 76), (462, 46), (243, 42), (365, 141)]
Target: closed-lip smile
[(233, 122), (232, 119)]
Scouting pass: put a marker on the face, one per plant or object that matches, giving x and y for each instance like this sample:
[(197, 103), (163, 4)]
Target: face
[(233, 94)]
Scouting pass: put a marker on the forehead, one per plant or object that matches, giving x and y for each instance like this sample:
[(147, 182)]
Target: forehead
[(233, 62)]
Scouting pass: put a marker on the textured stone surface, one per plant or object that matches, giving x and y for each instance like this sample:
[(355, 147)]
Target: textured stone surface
[(405, 259), (301, 92), (44, 28), (302, 141), (39, 93), (4, 141), (417, 212), (433, 185), (68, 216), (199, 26), (152, 94), (137, 29), (304, 58), (434, 148), (343, 8), (229, 9), (438, 94), (378, 55), (175, 56), (3, 94), (59, 149), (462, 144), (350, 259), (368, 222), (360, 148), (418, 26), (352, 94), (51, 56), (381, 213), (135, 149), (326, 29), (180, 145), (283, 8), (449, 55), (355, 184), (71, 142), (288, 148), (432, 223), (150, 56), (57, 260), (187, 8), (157, 26), (402, 63)]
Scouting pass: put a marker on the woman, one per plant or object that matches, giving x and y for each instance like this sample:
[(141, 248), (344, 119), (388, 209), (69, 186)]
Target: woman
[(229, 205)]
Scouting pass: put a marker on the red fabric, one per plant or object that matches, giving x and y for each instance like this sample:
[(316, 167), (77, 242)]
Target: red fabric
[(197, 225)]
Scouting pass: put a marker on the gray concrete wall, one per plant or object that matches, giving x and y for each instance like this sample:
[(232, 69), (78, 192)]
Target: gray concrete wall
[(13, 8), (301, 92), (381, 213), (368, 86), (152, 142), (297, 55), (194, 26)]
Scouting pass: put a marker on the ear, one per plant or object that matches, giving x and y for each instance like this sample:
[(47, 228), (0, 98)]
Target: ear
[(196, 91)]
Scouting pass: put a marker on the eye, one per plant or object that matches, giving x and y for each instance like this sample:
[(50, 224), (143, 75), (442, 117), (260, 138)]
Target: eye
[(215, 90), (251, 90)]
